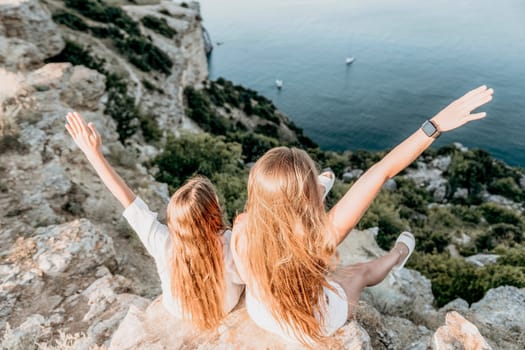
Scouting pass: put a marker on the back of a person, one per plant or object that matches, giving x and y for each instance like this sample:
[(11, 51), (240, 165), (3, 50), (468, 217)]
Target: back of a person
[(287, 290), (191, 253)]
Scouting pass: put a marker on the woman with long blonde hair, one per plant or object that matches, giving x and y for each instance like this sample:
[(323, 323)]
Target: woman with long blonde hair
[(284, 244), (192, 253)]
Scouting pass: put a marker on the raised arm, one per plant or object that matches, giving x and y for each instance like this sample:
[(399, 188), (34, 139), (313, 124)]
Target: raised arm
[(88, 140), (351, 208)]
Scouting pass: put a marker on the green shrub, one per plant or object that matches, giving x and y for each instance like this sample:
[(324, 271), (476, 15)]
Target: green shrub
[(75, 53), (384, 215), (455, 278), (336, 161), (361, 159), (201, 111), (106, 32), (144, 55), (495, 214), (232, 192), (203, 154), (70, 20), (150, 128), (412, 196), (511, 256), (500, 233), (267, 129), (100, 12), (431, 241), (165, 12), (159, 25), (469, 215), (210, 156), (507, 187), (253, 145), (474, 170)]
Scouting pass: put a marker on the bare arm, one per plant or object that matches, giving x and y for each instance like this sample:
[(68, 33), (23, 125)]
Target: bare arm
[(88, 140), (351, 208)]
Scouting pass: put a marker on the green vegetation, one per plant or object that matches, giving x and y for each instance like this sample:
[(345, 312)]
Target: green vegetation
[(98, 11), (70, 20), (476, 171), (78, 56), (144, 55), (122, 30), (202, 107), (165, 12), (455, 278), (207, 155), (159, 25), (202, 111), (120, 105)]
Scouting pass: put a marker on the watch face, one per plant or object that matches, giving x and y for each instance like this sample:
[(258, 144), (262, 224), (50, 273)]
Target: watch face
[(428, 128)]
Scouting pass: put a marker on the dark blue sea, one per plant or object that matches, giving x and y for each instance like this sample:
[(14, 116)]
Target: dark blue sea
[(411, 59)]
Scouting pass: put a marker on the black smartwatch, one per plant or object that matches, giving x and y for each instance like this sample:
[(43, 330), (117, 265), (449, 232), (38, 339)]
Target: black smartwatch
[(430, 129)]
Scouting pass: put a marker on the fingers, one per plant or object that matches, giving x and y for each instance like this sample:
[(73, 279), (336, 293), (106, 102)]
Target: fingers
[(70, 130), (477, 116), (76, 123), (476, 90), (80, 122), (480, 99), (93, 130), (72, 126)]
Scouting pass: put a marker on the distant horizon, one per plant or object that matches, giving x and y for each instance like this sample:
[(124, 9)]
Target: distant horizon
[(412, 59)]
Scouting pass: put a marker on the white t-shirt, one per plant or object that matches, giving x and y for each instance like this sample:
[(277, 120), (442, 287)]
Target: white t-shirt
[(156, 238), (335, 316)]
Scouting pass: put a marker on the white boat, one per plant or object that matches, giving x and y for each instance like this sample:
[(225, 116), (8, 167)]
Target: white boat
[(279, 83), (350, 60)]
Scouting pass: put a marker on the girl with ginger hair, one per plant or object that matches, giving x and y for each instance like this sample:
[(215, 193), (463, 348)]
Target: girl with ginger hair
[(284, 244), (192, 253)]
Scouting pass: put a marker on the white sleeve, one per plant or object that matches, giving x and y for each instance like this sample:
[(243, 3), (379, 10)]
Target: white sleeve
[(151, 232)]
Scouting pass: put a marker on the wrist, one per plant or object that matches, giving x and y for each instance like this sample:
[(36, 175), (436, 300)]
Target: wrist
[(92, 155), (431, 128)]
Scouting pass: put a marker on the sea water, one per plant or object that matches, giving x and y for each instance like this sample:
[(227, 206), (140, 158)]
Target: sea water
[(411, 59)]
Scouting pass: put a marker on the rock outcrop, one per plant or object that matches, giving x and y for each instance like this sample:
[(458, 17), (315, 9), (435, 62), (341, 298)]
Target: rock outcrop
[(458, 333), (27, 34), (155, 328)]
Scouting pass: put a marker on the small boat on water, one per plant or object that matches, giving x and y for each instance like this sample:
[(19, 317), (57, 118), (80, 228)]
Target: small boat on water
[(279, 84), (349, 60)]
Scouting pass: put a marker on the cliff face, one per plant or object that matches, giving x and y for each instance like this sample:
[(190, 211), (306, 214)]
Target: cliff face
[(70, 265)]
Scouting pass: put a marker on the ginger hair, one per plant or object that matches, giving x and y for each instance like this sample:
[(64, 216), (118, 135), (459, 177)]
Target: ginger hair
[(195, 224), (288, 245)]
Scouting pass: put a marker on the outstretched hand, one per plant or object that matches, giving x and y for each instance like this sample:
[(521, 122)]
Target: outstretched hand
[(460, 111), (85, 135)]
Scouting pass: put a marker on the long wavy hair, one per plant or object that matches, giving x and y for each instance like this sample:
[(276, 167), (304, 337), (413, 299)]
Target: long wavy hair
[(195, 223), (288, 245)]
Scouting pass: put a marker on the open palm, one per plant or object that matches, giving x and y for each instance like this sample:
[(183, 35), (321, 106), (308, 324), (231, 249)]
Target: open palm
[(460, 111), (85, 135)]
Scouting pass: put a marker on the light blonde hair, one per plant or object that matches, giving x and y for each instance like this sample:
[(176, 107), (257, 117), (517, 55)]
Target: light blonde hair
[(195, 223), (288, 247)]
